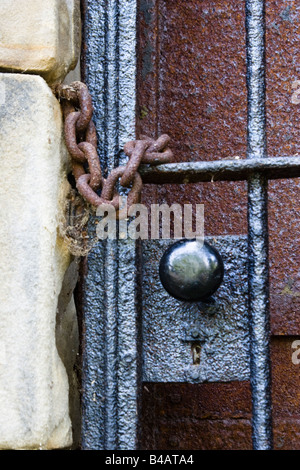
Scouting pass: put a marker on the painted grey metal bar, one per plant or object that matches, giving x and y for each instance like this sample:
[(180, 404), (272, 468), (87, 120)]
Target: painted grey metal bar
[(111, 335), (110, 357), (221, 170), (258, 274)]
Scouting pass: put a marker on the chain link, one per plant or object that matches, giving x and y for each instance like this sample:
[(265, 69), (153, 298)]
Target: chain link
[(81, 141)]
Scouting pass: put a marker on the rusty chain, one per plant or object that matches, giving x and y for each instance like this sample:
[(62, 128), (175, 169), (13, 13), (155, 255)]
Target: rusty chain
[(81, 141)]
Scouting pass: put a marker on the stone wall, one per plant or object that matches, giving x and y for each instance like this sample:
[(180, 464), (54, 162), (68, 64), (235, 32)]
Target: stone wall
[(39, 45)]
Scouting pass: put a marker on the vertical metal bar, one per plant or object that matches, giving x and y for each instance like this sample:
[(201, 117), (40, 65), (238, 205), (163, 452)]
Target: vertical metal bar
[(129, 368), (110, 267), (110, 359), (94, 302), (258, 230)]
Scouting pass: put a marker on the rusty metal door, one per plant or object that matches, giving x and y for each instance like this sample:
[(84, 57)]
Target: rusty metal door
[(192, 84), (219, 78)]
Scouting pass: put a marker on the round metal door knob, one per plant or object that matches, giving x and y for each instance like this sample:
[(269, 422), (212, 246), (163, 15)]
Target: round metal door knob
[(191, 270)]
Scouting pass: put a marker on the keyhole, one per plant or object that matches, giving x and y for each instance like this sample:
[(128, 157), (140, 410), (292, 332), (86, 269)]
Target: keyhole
[(196, 351)]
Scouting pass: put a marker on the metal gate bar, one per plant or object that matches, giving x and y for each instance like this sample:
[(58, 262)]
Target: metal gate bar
[(258, 273), (110, 378), (221, 170)]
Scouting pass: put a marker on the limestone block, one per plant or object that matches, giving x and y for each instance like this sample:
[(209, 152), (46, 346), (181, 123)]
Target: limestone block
[(39, 37), (34, 408)]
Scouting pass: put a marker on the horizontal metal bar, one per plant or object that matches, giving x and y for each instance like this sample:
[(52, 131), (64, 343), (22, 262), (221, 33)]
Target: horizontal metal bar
[(221, 170)]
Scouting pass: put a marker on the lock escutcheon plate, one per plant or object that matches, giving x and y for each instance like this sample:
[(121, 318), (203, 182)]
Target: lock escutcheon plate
[(216, 333)]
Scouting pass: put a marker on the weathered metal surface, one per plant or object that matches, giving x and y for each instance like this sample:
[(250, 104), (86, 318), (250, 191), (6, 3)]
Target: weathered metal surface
[(221, 33), (180, 410), (110, 327), (222, 170), (258, 278), (81, 141), (172, 328), (258, 272), (80, 138), (221, 85), (213, 32), (186, 51), (282, 47), (284, 240), (204, 416)]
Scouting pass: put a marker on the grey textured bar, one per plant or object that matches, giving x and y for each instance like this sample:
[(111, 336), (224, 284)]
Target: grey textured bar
[(258, 230), (221, 170), (110, 359), (93, 354), (99, 381)]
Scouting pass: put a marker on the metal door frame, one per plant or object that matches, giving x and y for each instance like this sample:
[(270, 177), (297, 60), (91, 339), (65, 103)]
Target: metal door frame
[(111, 308), (110, 377)]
